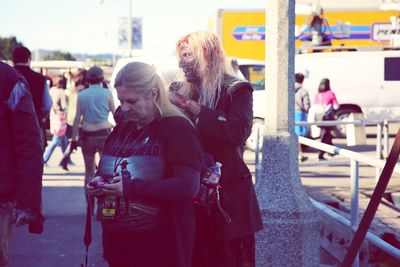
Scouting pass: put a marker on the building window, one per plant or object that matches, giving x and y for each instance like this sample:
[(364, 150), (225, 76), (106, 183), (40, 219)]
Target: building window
[(392, 69)]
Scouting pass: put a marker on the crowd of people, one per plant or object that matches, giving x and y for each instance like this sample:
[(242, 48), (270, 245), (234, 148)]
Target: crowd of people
[(153, 162)]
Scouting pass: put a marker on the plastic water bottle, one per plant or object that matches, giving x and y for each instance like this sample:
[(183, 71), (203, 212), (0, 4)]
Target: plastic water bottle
[(214, 174), (209, 183)]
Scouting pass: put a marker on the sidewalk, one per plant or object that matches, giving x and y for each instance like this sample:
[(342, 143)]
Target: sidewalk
[(61, 243)]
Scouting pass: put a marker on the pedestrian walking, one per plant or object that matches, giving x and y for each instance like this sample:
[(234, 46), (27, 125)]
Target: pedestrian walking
[(38, 87), (79, 84), (58, 125), (91, 126), (325, 101), (302, 105)]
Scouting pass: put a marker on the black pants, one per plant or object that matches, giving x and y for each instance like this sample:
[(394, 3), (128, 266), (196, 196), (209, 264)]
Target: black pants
[(238, 252), (326, 137)]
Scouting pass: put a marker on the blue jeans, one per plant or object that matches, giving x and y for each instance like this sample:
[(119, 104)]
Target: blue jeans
[(57, 140), (300, 130), (5, 230)]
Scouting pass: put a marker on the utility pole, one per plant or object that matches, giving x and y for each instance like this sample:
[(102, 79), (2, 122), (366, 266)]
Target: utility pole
[(291, 227), (130, 28)]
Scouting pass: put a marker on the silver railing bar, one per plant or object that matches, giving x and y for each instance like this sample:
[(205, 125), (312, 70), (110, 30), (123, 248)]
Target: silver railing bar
[(377, 163), (378, 242)]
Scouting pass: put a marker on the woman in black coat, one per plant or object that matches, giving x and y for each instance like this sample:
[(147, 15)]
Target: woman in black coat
[(220, 105)]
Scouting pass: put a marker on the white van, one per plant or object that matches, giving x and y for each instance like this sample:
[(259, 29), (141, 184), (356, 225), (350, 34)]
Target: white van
[(364, 82)]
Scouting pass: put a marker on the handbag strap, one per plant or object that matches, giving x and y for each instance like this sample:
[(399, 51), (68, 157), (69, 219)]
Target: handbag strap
[(87, 238)]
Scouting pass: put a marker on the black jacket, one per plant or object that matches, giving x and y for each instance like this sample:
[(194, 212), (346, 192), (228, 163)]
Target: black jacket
[(36, 83), (21, 160), (223, 132)]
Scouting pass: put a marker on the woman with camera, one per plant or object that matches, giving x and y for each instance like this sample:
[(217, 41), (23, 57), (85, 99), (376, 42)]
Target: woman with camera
[(148, 175)]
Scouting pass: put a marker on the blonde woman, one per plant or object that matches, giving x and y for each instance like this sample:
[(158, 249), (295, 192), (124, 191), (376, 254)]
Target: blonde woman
[(221, 108), (153, 159)]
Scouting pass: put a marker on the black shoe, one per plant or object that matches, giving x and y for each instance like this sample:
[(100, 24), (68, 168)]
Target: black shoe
[(64, 167), (302, 158), (64, 164)]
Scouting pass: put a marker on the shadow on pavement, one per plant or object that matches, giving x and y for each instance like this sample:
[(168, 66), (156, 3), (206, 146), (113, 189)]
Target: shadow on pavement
[(61, 243)]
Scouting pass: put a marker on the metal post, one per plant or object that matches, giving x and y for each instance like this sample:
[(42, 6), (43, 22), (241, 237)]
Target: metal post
[(385, 139), (378, 148), (373, 205), (257, 164), (130, 29), (354, 168), (291, 227)]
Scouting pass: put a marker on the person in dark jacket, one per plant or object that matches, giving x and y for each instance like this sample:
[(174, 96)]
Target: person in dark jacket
[(221, 108), (21, 162), (38, 86)]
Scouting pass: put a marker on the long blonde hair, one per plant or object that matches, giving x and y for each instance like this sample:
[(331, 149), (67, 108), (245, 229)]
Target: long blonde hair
[(209, 54), (141, 78)]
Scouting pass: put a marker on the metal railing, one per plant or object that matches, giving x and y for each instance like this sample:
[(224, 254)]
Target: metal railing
[(382, 127), (382, 131), (355, 159)]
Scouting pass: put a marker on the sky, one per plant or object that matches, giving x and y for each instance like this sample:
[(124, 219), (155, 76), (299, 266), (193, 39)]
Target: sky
[(91, 26)]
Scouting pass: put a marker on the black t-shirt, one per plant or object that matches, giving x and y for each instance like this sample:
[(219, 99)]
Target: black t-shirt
[(155, 226)]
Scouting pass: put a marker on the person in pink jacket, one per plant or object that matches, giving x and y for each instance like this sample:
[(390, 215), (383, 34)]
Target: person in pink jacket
[(327, 99)]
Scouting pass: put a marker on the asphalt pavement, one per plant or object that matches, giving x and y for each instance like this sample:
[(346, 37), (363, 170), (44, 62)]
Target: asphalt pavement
[(64, 206), (61, 244)]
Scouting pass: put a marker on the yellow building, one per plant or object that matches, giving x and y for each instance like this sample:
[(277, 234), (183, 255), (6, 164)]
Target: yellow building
[(242, 32)]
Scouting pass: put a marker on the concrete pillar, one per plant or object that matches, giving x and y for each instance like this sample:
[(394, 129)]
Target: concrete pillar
[(291, 228)]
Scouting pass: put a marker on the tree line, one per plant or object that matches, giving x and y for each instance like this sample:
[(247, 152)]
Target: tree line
[(7, 45)]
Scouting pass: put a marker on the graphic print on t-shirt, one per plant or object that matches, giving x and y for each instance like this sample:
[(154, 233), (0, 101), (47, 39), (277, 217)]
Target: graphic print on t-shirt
[(146, 161)]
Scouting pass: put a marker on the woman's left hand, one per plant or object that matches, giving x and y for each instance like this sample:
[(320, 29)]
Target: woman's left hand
[(115, 188), (179, 100)]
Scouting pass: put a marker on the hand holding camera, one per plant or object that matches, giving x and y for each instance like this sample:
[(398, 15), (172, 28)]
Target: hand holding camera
[(114, 188), (98, 182), (99, 186), (94, 187)]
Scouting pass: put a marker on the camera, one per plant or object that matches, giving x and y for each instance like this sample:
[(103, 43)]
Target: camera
[(98, 182)]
